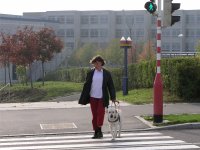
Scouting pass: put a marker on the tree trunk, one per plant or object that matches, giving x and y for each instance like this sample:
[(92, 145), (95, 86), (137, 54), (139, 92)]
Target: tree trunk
[(26, 79), (9, 74), (43, 73), (5, 74), (31, 76)]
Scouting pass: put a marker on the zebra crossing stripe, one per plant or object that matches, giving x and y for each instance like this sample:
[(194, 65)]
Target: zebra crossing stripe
[(129, 141), (82, 140), (91, 145), (157, 148), (74, 137)]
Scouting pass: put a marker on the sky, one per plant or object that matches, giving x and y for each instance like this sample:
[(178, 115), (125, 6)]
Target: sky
[(17, 7)]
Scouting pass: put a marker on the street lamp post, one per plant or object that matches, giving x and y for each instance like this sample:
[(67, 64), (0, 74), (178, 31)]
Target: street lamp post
[(181, 41), (125, 43)]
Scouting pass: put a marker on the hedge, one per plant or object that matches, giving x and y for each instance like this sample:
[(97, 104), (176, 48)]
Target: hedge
[(181, 76)]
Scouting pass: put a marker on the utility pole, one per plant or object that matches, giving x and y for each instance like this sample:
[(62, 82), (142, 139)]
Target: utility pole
[(158, 85), (151, 7)]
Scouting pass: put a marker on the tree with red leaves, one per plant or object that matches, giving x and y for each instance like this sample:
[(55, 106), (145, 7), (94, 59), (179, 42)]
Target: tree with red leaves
[(49, 44), (6, 53), (27, 41)]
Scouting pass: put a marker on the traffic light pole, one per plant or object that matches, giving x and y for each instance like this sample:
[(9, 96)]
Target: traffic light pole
[(158, 86)]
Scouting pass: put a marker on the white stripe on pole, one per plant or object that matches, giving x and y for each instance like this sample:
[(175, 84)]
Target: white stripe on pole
[(158, 56), (158, 69)]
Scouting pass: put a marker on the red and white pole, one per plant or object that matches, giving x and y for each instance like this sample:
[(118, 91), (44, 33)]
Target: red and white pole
[(158, 86)]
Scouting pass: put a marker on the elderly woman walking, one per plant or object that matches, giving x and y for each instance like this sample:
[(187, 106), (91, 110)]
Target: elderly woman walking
[(97, 90)]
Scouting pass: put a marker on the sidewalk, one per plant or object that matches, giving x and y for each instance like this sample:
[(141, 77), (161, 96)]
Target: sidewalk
[(27, 117)]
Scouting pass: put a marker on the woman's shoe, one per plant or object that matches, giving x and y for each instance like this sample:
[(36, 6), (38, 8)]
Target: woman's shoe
[(95, 135)]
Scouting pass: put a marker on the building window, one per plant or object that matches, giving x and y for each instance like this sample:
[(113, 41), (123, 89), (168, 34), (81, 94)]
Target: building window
[(119, 33), (70, 45), (175, 46), (153, 33), (93, 33), (198, 18), (84, 33), (103, 19), (69, 19), (198, 33), (190, 19), (53, 18), (153, 20), (61, 19), (166, 32), (165, 46), (190, 32), (139, 19), (139, 32), (69, 33), (94, 19), (119, 19), (103, 32), (84, 19), (189, 46), (130, 21), (175, 32), (129, 33), (61, 32)]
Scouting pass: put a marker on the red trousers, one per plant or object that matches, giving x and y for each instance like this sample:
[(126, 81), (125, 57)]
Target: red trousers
[(98, 112)]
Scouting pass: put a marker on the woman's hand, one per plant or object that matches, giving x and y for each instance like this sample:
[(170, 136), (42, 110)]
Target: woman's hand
[(115, 101)]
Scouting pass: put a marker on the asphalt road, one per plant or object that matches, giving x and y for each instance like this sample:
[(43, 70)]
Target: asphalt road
[(54, 117), (190, 136)]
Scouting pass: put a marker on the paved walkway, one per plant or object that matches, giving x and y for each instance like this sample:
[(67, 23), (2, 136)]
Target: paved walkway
[(26, 117)]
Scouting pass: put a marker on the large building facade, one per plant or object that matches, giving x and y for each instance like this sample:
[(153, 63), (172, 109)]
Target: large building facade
[(76, 28), (99, 27)]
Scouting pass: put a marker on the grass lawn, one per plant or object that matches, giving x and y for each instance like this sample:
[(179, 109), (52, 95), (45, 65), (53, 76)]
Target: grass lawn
[(176, 119), (50, 90), (145, 96)]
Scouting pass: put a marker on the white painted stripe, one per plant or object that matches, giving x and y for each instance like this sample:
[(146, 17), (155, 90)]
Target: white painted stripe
[(158, 56), (57, 126), (83, 140), (158, 43), (156, 147), (75, 137), (158, 29), (158, 70), (94, 145)]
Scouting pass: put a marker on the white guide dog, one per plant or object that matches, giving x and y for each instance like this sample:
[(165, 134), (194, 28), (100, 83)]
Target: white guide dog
[(114, 120)]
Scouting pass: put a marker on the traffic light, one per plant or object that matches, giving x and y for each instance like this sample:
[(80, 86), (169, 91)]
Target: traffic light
[(150, 6), (169, 8)]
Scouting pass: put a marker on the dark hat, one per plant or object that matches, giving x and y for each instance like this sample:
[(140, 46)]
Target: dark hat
[(97, 58)]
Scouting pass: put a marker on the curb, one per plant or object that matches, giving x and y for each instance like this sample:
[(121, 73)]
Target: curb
[(179, 126), (169, 127)]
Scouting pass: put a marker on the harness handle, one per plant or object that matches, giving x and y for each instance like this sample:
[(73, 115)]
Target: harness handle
[(116, 105)]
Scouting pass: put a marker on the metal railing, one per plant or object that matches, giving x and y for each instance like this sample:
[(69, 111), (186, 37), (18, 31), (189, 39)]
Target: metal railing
[(178, 54), (7, 85)]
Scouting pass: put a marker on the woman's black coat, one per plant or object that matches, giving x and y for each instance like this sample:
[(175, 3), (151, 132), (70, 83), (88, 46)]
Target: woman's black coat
[(107, 87)]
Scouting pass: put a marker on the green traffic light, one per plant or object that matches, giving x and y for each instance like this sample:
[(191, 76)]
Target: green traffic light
[(150, 7)]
